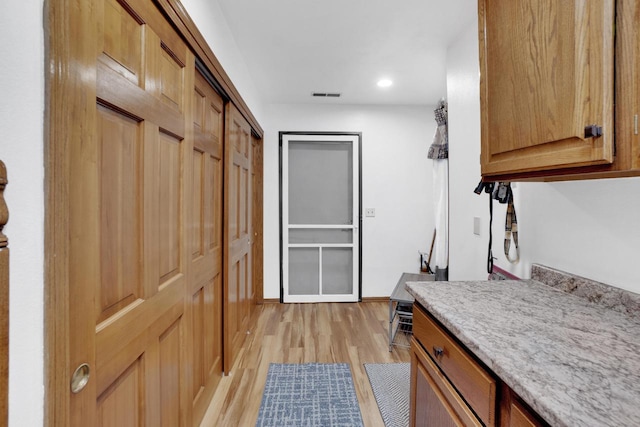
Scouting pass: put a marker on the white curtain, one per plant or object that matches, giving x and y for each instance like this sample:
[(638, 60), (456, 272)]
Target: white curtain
[(439, 152)]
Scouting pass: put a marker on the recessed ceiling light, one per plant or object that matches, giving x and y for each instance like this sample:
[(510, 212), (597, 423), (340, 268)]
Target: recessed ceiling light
[(384, 83)]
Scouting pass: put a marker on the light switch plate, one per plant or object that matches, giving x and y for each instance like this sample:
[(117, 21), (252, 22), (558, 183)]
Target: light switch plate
[(476, 225), (370, 212)]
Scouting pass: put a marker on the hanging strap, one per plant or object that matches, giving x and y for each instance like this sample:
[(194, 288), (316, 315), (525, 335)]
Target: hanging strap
[(490, 251), (511, 230)]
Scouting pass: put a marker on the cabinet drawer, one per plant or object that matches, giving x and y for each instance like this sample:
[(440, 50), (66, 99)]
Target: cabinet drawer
[(434, 401), (475, 384)]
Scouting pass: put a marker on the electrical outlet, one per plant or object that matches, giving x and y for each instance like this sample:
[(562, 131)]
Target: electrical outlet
[(476, 225), (370, 212)]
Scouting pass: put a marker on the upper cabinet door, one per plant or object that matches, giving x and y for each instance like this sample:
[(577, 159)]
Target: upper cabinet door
[(547, 73)]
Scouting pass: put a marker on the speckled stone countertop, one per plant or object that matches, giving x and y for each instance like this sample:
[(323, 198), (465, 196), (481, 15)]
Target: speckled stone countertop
[(575, 362)]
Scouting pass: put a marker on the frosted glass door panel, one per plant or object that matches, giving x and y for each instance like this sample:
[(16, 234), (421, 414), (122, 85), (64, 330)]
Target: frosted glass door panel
[(320, 182), (304, 269), (337, 271)]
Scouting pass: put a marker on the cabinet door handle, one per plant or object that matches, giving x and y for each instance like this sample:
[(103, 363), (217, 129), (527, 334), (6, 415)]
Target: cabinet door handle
[(592, 131), (438, 351)]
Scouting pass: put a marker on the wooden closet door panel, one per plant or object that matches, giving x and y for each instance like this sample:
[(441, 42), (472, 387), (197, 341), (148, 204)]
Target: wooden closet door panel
[(170, 376), (128, 244), (196, 225), (205, 224), (237, 225), (121, 189), (122, 404)]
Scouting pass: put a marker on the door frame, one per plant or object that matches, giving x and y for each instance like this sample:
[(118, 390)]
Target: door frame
[(281, 134)]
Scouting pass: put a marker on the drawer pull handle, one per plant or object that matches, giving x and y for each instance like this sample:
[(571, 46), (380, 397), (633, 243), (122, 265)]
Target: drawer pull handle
[(438, 351)]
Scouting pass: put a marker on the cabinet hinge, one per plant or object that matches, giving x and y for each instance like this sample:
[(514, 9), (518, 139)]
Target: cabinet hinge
[(592, 131)]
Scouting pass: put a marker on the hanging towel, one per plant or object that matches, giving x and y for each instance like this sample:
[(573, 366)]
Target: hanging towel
[(440, 147)]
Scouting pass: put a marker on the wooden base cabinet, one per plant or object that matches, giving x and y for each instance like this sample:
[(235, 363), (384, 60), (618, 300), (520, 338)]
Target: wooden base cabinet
[(520, 417), (434, 401), (450, 388), (514, 413)]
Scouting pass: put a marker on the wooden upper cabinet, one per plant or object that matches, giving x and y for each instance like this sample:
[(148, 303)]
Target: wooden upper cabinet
[(627, 103), (546, 74)]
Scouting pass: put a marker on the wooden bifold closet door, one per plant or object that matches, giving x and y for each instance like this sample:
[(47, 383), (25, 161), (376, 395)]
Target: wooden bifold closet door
[(129, 254), (149, 218), (204, 296), (140, 163), (238, 233)]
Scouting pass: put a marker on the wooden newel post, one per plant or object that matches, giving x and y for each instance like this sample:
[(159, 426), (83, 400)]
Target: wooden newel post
[(4, 301)]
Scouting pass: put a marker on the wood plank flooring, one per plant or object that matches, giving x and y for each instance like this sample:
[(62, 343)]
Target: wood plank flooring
[(353, 333)]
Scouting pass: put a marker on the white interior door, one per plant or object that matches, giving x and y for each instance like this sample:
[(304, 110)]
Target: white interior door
[(320, 217)]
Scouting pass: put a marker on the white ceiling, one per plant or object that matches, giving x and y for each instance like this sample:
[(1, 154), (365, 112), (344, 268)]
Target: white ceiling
[(296, 47)]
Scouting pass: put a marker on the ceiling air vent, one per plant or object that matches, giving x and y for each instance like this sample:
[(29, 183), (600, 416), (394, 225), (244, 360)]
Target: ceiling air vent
[(326, 94)]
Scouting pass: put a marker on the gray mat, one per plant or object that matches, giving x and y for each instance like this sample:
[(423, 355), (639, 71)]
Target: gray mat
[(390, 384), (309, 394)]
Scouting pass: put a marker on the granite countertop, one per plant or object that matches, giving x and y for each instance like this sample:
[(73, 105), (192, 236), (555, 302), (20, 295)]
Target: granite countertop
[(574, 361)]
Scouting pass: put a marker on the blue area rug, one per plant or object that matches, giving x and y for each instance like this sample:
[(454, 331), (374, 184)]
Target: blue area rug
[(309, 394), (390, 383)]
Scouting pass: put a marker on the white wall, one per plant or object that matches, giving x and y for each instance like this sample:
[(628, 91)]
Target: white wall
[(210, 20), (467, 252), (21, 148), (396, 181), (590, 228)]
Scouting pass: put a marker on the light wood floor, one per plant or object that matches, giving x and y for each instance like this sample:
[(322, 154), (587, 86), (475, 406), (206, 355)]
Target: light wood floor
[(303, 333)]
